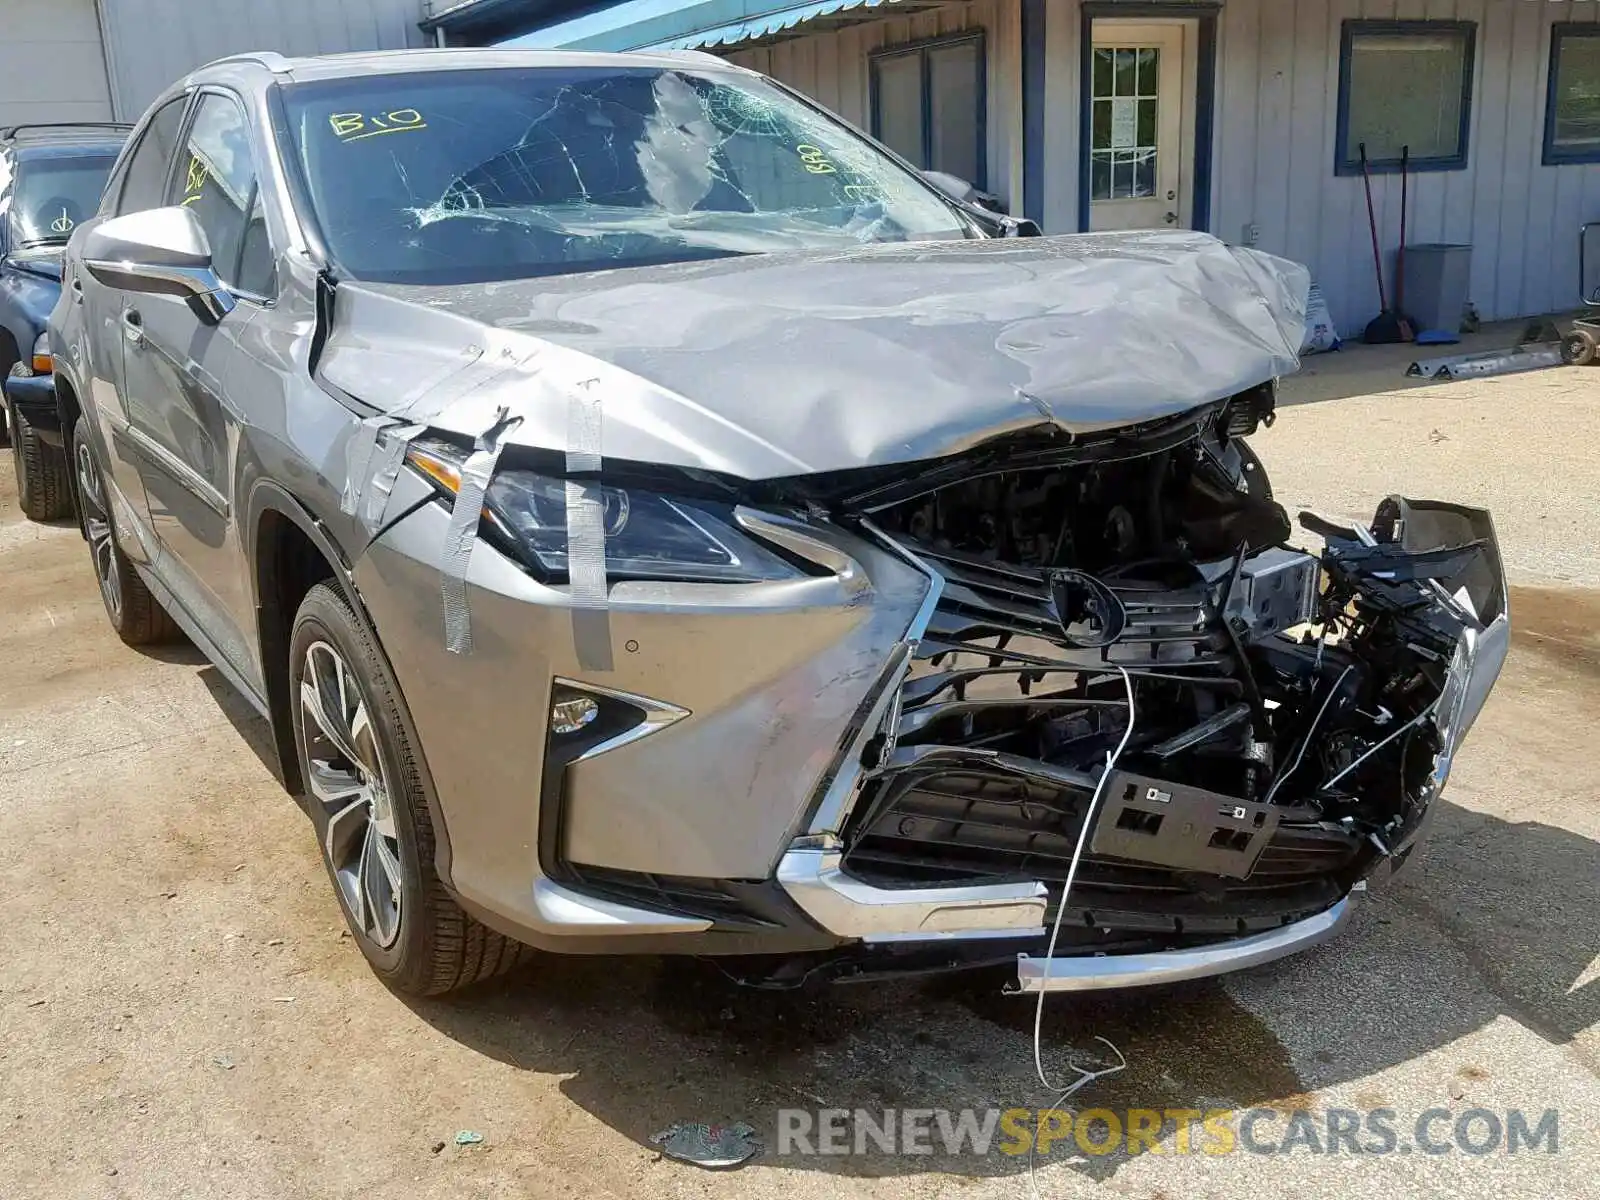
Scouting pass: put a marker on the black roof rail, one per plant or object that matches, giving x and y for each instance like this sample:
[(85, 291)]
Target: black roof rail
[(7, 134)]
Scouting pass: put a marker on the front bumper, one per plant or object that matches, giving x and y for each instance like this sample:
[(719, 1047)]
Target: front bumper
[(770, 677), (1093, 973), (789, 696)]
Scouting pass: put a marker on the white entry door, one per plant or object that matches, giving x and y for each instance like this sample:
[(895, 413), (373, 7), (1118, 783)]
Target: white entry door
[(1137, 123)]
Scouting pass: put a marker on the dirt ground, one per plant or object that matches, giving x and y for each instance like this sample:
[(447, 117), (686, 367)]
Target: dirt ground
[(180, 1014)]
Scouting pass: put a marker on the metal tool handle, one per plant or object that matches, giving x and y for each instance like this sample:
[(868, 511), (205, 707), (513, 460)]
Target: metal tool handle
[(1589, 298)]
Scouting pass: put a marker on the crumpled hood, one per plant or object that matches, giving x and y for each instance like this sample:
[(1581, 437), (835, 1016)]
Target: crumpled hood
[(786, 364)]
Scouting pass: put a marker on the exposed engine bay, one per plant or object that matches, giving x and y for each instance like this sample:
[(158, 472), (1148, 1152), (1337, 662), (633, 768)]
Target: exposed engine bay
[(1293, 712)]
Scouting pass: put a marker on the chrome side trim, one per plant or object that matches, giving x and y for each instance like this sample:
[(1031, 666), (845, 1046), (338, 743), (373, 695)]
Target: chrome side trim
[(658, 715), (1093, 972), (198, 285), (186, 476), (795, 536), (850, 908), (919, 624), (844, 785)]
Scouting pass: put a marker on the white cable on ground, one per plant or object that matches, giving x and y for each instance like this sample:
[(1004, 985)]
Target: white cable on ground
[(1065, 1092), (1072, 872)]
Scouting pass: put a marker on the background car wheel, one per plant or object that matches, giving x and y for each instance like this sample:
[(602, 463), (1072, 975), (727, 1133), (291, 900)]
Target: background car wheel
[(1578, 348), (134, 613), (43, 489), (366, 799)]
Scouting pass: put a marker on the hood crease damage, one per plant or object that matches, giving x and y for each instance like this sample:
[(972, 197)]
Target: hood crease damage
[(754, 367)]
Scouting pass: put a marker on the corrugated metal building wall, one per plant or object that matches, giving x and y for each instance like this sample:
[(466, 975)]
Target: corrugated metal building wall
[(149, 43), (1278, 90), (1276, 100), (50, 64)]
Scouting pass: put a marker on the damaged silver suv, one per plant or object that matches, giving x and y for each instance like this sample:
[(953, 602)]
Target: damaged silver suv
[(654, 518)]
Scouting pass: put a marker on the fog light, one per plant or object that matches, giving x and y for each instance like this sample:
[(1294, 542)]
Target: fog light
[(569, 716)]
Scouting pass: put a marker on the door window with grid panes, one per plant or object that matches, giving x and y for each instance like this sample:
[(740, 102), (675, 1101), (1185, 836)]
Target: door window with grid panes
[(1127, 97), (1136, 97)]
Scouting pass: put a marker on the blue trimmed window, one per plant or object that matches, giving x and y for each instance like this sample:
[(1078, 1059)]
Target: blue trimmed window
[(1405, 83), (929, 104), (1572, 107)]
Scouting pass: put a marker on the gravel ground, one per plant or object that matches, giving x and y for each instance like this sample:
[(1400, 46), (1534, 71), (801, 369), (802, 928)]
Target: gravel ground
[(180, 1014)]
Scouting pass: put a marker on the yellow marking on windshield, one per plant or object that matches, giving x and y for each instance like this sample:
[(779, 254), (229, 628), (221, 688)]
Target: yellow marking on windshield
[(815, 160), (356, 127), (195, 180)]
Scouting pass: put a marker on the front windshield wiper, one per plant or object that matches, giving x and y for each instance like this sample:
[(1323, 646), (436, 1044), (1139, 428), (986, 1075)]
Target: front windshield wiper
[(35, 243)]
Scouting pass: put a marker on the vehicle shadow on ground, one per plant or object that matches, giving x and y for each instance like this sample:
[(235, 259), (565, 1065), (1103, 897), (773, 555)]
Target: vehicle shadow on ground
[(646, 1042), (250, 724), (1513, 908)]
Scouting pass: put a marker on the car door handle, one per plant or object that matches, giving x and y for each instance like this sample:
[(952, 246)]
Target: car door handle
[(133, 327), (77, 290)]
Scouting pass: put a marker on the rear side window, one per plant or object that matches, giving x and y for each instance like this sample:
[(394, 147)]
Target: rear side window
[(145, 179), (216, 181)]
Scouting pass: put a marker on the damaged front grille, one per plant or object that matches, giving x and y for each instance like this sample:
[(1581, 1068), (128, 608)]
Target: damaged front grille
[(1015, 700), (1261, 726)]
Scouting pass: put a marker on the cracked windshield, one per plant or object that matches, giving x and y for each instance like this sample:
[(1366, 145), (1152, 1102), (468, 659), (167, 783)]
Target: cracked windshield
[(467, 176)]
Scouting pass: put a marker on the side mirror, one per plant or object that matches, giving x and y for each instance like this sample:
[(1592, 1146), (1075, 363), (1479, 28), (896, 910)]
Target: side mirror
[(161, 252), (985, 208), (953, 186)]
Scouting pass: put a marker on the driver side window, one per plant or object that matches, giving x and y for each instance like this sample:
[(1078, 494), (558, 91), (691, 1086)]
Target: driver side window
[(216, 181), (145, 177)]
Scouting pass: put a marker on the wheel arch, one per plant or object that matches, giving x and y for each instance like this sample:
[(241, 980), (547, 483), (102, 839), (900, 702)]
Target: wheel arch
[(289, 551), (69, 409), (10, 351)]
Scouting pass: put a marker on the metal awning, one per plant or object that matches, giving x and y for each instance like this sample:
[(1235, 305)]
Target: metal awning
[(705, 24)]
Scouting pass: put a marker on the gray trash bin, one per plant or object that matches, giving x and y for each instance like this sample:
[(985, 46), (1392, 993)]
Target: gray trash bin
[(1437, 278)]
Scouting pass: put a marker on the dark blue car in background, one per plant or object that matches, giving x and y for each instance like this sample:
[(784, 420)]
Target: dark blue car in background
[(51, 177)]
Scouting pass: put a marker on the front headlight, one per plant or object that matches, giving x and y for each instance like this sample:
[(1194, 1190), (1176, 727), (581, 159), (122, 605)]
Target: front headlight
[(648, 535)]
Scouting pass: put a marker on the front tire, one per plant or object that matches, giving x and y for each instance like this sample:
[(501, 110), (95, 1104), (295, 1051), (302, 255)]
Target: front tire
[(366, 798), (43, 487), (134, 613)]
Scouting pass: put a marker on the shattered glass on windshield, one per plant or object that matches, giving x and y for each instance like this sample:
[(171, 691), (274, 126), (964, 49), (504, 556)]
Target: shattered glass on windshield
[(466, 176)]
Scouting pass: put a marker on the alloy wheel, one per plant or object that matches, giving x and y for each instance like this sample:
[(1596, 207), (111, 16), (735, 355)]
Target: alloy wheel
[(344, 772), (97, 523)]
